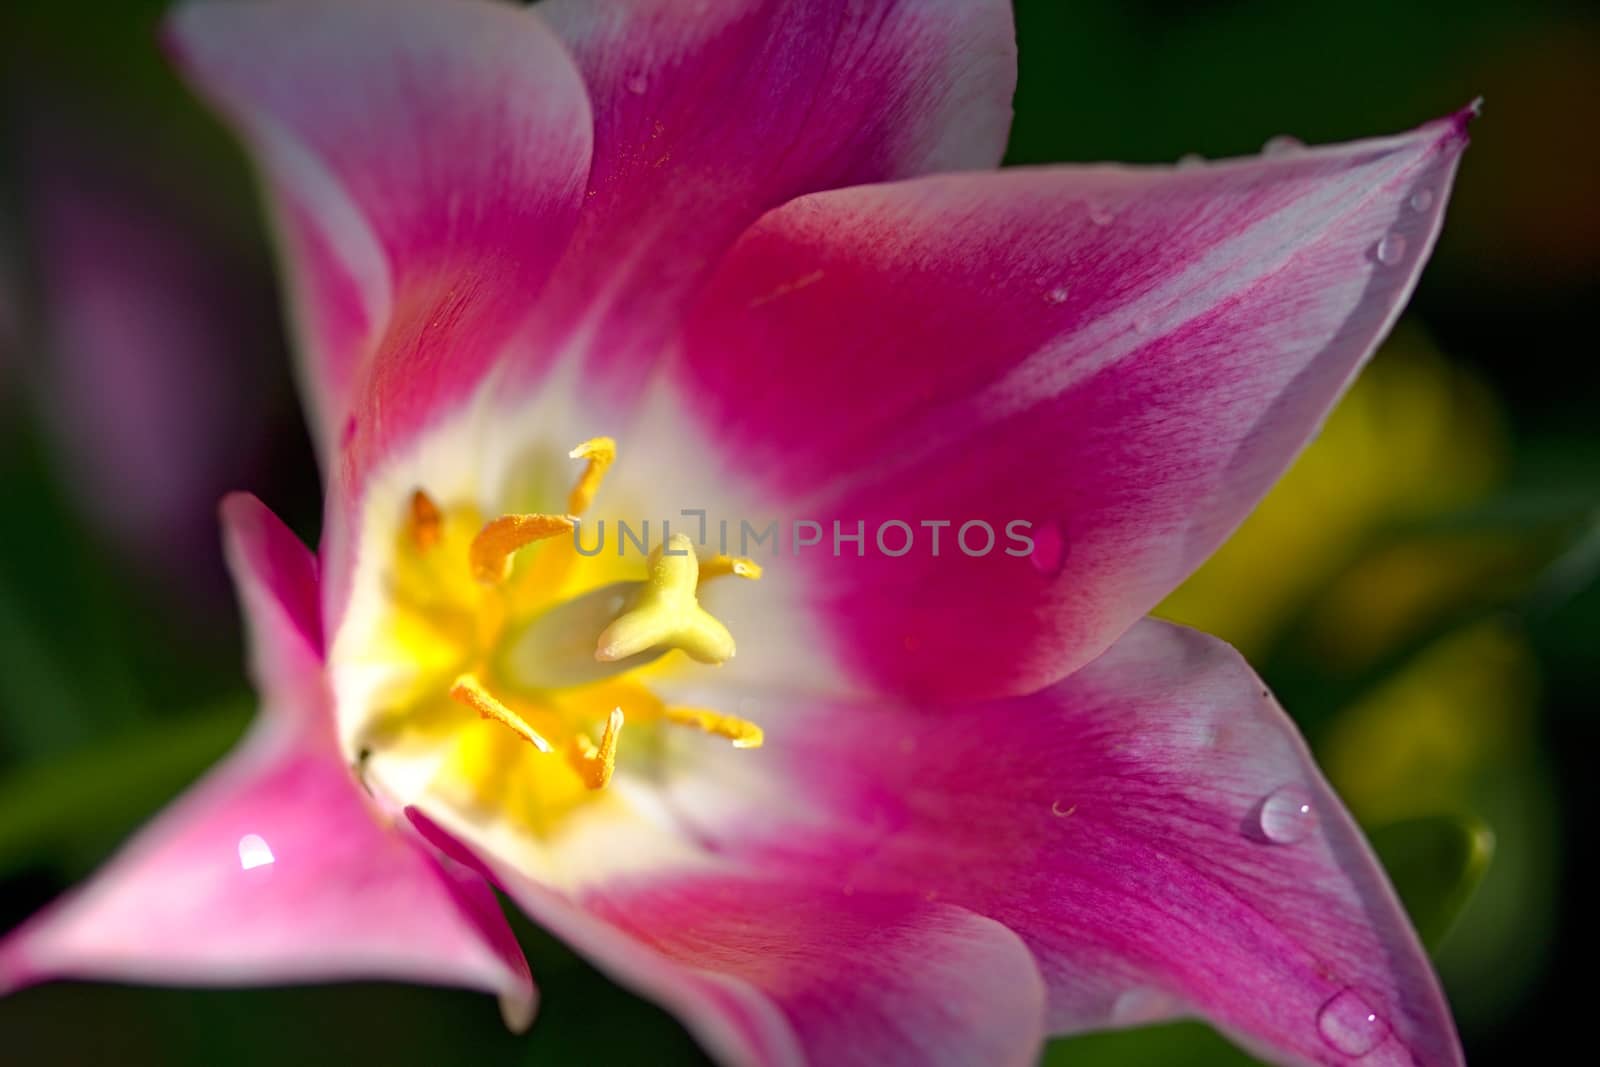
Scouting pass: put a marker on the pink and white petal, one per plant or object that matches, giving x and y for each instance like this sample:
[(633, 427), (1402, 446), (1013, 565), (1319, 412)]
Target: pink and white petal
[(424, 165), (773, 972), (273, 868), (1153, 828), (1123, 358), (709, 114), (275, 575)]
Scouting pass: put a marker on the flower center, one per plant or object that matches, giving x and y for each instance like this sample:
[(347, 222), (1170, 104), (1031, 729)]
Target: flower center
[(528, 656)]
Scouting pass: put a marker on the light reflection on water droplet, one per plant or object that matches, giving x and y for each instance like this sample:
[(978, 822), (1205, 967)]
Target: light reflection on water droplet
[(1049, 554), (1390, 250), (254, 852), (1058, 295), (1348, 1024), (1136, 1007), (1282, 145), (1421, 200), (1286, 815), (637, 85)]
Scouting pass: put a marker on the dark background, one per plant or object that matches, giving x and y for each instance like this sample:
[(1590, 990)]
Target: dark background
[(1421, 593)]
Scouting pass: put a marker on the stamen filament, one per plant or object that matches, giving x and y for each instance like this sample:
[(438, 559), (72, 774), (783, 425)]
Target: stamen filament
[(491, 551), (470, 692), (596, 763), (742, 732), (601, 452), (738, 566), (426, 525)]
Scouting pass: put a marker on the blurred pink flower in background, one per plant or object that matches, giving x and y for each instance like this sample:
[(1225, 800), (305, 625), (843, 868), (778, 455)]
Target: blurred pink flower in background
[(157, 380)]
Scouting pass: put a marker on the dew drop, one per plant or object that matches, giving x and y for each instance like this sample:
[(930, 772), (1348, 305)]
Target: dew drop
[(1139, 1006), (1348, 1023), (1282, 145), (1058, 295), (1061, 810), (255, 852), (1421, 200), (1100, 216), (1049, 554), (1191, 160), (1286, 815), (637, 84), (1390, 250)]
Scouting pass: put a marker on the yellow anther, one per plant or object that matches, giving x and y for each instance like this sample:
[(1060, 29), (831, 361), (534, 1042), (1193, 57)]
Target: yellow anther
[(471, 693), (426, 525), (500, 538), (601, 452), (742, 732), (739, 566), (596, 763), (665, 613)]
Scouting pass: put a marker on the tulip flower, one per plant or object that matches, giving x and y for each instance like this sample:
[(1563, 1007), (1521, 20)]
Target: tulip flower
[(741, 266)]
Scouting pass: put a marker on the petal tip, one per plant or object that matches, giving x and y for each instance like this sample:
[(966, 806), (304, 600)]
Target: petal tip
[(238, 505), (518, 1008), (1453, 127)]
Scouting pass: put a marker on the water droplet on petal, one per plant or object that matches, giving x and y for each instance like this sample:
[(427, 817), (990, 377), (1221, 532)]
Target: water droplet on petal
[(637, 84), (1286, 815), (254, 852), (1136, 1007), (1348, 1024), (1390, 250), (1190, 160), (1421, 200), (1049, 554), (1282, 145), (1062, 810), (1058, 295)]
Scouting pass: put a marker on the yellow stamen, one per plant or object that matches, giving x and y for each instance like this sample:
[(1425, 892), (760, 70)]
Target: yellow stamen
[(596, 763), (427, 525), (739, 566), (742, 732), (500, 538), (471, 693), (666, 614), (601, 452)]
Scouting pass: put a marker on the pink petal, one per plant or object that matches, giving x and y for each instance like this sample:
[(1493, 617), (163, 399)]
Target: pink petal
[(276, 577), (781, 972), (273, 868), (1124, 358), (1152, 827), (424, 163), (709, 114)]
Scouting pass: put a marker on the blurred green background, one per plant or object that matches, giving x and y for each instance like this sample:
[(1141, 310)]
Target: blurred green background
[(1421, 591)]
